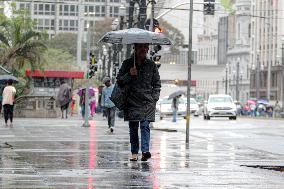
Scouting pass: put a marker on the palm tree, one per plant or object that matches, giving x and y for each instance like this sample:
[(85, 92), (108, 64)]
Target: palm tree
[(20, 45)]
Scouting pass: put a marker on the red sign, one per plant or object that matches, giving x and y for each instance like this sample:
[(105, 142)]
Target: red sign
[(59, 74)]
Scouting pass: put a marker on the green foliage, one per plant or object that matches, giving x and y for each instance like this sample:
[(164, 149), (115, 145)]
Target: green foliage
[(64, 41), (227, 5), (68, 41), (19, 43), (20, 46), (100, 29), (174, 34), (57, 59)]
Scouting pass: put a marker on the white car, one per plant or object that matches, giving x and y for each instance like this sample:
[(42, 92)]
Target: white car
[(220, 106), (164, 106)]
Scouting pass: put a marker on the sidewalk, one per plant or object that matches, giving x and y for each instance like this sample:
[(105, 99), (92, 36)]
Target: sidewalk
[(58, 153)]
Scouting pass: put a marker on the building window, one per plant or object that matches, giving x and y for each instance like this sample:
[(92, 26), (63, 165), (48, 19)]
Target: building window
[(72, 10), (40, 9), (103, 11), (66, 10)]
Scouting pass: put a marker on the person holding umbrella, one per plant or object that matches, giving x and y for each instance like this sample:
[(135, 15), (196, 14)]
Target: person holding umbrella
[(8, 95), (175, 104), (64, 98), (140, 75)]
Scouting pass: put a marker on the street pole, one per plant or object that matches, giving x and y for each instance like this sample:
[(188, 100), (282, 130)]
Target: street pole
[(130, 24), (226, 81), (237, 81), (189, 70), (79, 35), (257, 84), (142, 14), (86, 120), (151, 27), (282, 77), (109, 62), (270, 52)]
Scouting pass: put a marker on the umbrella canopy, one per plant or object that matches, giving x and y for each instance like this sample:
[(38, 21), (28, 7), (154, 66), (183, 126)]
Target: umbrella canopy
[(135, 35), (265, 102), (5, 78), (175, 94), (251, 102), (91, 91)]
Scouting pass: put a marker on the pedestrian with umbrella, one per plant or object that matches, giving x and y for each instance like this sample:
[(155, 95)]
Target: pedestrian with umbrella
[(143, 80), (8, 95), (64, 98), (139, 80), (175, 103)]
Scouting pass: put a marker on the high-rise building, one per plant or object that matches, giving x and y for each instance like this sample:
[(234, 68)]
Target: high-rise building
[(238, 53), (208, 40), (56, 16), (266, 35)]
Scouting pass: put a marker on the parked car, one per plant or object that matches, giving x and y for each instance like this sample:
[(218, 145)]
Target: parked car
[(220, 106), (164, 106)]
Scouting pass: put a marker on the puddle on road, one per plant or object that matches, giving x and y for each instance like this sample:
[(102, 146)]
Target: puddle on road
[(267, 167)]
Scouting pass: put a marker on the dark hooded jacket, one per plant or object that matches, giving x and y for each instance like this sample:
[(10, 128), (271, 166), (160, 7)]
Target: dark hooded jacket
[(143, 90)]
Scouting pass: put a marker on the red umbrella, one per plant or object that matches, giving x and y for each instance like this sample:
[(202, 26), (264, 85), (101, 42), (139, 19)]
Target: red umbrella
[(251, 102)]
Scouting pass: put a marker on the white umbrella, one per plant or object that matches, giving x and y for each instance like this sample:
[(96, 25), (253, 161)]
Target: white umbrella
[(135, 35)]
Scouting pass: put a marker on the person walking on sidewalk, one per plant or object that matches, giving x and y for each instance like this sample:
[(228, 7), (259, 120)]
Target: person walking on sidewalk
[(175, 104), (8, 95), (64, 98), (140, 75), (107, 104)]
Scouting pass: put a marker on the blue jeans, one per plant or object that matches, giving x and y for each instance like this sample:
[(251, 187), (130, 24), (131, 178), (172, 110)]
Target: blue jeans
[(174, 115), (134, 137)]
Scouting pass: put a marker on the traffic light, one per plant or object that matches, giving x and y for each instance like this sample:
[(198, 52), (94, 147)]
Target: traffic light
[(209, 7), (93, 67)]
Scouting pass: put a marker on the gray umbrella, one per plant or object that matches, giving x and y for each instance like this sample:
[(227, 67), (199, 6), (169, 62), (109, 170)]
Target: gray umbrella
[(5, 78), (177, 93), (135, 35)]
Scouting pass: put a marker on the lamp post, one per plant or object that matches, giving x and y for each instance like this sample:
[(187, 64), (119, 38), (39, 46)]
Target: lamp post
[(238, 80), (282, 76), (257, 77), (86, 120), (114, 26), (226, 79), (189, 70), (79, 35), (104, 62)]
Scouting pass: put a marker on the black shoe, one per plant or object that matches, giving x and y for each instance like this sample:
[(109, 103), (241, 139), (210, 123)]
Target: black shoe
[(145, 156), (111, 130)]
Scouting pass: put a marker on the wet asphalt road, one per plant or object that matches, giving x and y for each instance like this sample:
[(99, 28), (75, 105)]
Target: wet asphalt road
[(55, 153)]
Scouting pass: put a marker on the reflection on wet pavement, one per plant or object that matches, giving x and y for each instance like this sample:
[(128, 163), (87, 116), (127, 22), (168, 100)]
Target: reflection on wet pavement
[(61, 154)]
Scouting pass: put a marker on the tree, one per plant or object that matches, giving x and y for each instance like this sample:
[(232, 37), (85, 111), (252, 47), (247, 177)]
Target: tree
[(64, 41), (20, 45), (101, 28), (174, 34), (68, 41), (57, 59)]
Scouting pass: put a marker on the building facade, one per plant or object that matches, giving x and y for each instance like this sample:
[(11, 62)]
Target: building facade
[(56, 16), (238, 54), (266, 41), (208, 40)]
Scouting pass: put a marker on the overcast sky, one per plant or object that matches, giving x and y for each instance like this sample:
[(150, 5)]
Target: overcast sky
[(180, 18)]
